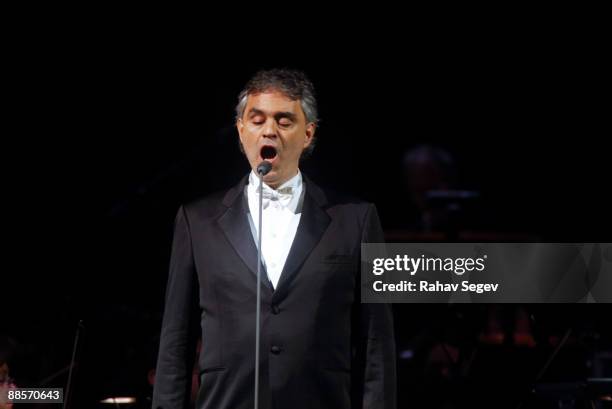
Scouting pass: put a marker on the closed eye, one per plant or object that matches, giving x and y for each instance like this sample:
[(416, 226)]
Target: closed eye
[(257, 120), (285, 119)]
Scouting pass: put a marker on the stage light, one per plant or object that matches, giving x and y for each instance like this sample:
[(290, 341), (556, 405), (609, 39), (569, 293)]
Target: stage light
[(119, 400)]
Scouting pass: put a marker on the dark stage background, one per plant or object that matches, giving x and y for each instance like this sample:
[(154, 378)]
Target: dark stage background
[(107, 136)]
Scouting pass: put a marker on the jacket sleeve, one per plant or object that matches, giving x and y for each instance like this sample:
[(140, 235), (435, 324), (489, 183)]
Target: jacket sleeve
[(179, 326), (377, 337)]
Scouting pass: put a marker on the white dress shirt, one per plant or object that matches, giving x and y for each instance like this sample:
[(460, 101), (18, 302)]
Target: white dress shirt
[(282, 209)]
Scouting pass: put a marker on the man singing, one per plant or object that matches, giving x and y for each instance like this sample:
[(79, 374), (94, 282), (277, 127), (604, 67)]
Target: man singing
[(320, 346)]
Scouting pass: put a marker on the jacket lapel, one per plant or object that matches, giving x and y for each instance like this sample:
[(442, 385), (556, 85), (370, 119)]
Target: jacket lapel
[(235, 225), (313, 223)]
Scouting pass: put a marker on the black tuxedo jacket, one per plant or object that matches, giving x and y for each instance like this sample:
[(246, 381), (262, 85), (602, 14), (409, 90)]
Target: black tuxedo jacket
[(320, 346)]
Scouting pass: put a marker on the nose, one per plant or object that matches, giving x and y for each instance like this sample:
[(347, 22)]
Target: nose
[(270, 129)]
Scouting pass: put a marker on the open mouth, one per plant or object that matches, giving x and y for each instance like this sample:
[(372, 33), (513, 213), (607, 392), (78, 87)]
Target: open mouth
[(268, 152)]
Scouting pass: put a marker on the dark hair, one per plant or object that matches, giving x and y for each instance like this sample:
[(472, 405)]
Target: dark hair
[(292, 83)]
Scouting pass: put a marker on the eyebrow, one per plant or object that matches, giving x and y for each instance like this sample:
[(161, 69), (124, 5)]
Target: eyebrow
[(277, 115), (255, 111)]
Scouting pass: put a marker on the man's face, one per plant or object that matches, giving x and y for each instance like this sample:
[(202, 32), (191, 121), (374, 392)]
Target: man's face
[(273, 128)]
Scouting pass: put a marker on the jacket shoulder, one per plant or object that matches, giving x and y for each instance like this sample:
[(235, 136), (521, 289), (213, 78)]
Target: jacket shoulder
[(336, 202), (205, 208)]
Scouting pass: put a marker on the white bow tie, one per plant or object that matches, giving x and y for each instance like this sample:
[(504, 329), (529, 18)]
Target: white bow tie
[(283, 195)]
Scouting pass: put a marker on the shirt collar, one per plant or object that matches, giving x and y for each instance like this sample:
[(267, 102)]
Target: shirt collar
[(295, 183)]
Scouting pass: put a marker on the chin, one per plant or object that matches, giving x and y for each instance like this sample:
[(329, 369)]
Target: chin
[(270, 177)]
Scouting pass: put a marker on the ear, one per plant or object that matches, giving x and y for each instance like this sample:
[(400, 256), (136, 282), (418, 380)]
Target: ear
[(309, 135), (240, 128)]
